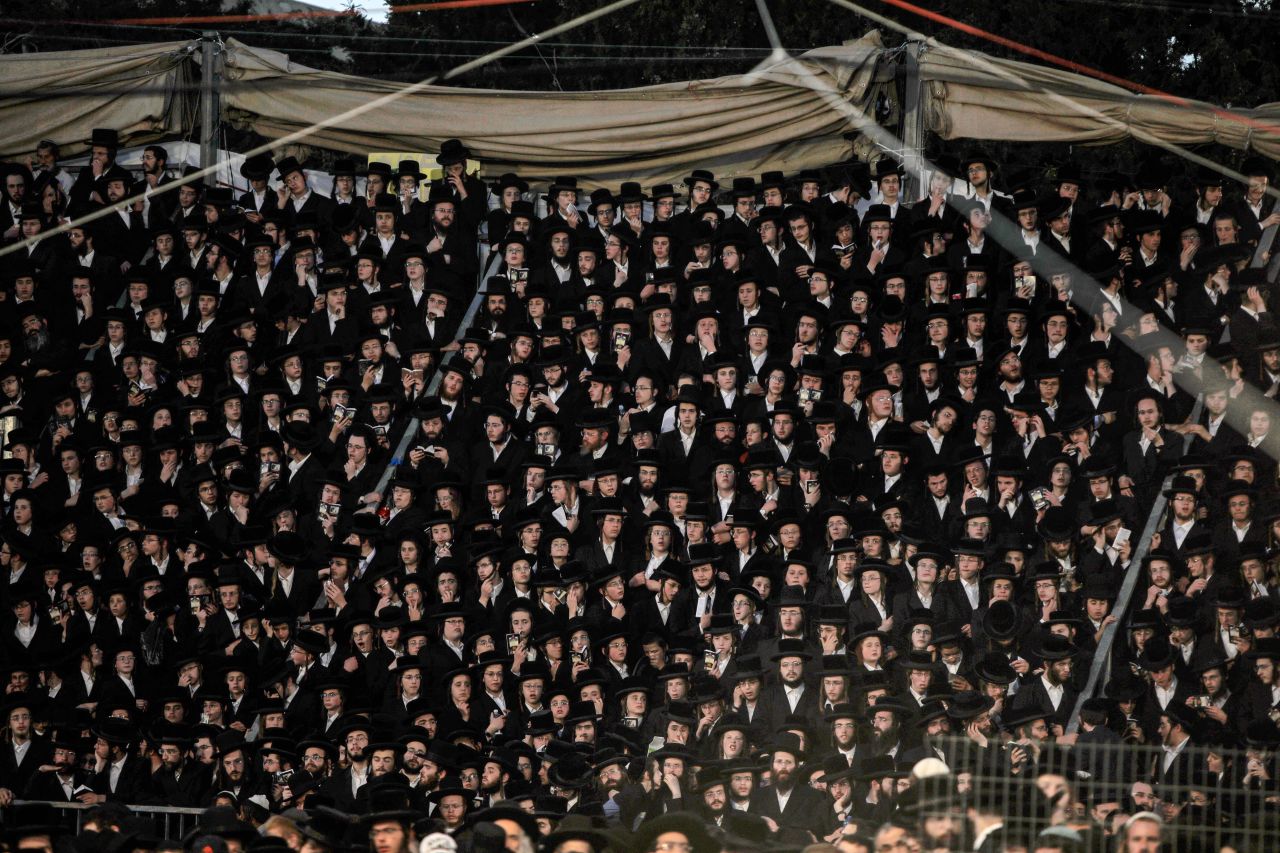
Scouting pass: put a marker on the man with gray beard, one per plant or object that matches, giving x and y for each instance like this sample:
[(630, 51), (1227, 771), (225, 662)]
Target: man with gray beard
[(44, 355)]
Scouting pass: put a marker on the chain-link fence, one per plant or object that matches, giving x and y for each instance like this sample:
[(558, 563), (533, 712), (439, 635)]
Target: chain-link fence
[(1032, 793)]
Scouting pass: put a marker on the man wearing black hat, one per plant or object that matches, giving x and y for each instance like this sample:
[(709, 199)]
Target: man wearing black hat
[(259, 201), (790, 694), (787, 801), (801, 256), (121, 776), (1051, 692), (64, 778), (295, 197), (1177, 727), (124, 229), (178, 781), (103, 145)]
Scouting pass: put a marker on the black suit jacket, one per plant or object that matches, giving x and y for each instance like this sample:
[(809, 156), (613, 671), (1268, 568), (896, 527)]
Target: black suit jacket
[(133, 786), (44, 785), (188, 790), (17, 775), (647, 356), (646, 616), (1147, 468), (304, 484), (775, 699), (806, 809), (1033, 694)]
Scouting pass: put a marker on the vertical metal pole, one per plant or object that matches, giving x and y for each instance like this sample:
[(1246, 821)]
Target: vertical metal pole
[(912, 119), (210, 62)]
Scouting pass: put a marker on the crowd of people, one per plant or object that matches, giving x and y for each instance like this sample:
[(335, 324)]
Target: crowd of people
[(783, 513)]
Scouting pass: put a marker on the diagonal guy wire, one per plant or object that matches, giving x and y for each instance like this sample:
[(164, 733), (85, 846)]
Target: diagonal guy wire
[(350, 114)]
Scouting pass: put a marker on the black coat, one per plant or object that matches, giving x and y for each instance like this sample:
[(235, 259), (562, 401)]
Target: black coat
[(133, 786), (17, 775), (806, 808)]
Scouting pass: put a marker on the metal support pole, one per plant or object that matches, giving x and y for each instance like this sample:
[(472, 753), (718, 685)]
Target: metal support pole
[(210, 71), (912, 119)]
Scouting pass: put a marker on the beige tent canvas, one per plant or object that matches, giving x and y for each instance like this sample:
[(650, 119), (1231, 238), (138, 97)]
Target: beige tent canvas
[(786, 115)]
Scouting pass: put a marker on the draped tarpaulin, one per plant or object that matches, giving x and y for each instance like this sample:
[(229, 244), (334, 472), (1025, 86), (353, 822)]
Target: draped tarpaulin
[(786, 116), (143, 91), (972, 95), (779, 118)]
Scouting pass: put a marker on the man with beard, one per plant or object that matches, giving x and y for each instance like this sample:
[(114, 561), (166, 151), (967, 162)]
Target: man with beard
[(618, 798), (970, 712), (233, 772), (84, 257), (1051, 691), (412, 755), (740, 776), (586, 265), (786, 802), (344, 784), (59, 783), (595, 429), (434, 766), (713, 797), (447, 246), (174, 782), (16, 181), (125, 227), (934, 727), (557, 267), (1029, 728), (382, 759), (1008, 373), (499, 769), (886, 718), (642, 491), (844, 733), (451, 804), (317, 760), (155, 165)]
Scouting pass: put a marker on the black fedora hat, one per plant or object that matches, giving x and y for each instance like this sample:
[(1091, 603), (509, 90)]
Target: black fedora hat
[(702, 176), (258, 167), (968, 704), (104, 137), (452, 151), (1156, 655)]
